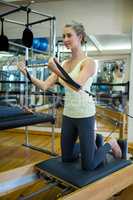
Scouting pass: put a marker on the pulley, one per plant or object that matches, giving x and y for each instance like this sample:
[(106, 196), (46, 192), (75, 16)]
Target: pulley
[(27, 37), (4, 43)]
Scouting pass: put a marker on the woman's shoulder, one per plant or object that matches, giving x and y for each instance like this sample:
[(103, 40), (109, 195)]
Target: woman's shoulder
[(87, 61), (88, 64)]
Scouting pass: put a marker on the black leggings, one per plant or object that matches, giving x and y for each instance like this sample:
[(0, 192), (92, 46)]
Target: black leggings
[(91, 154)]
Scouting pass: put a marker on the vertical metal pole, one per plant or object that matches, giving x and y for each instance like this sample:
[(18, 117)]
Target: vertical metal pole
[(53, 126), (53, 139), (50, 41), (26, 86), (53, 36), (57, 51), (26, 95), (53, 40), (130, 120)]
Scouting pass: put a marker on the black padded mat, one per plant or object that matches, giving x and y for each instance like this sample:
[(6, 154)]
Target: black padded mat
[(73, 174), (13, 117)]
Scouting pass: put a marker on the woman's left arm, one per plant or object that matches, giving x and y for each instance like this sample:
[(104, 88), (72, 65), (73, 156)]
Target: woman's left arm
[(88, 69)]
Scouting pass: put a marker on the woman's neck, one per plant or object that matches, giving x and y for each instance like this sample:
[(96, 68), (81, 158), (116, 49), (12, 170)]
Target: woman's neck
[(77, 54)]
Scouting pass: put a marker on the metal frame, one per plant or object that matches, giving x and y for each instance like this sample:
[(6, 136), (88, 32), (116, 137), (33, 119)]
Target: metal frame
[(52, 37), (26, 9), (52, 152)]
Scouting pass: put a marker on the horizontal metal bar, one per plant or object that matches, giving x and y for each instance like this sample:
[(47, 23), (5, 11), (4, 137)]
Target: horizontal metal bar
[(22, 8), (20, 82), (17, 45), (41, 149), (94, 84), (45, 189), (14, 22), (34, 50), (42, 20), (22, 46), (9, 4), (42, 14), (10, 12), (47, 93), (111, 84), (39, 51)]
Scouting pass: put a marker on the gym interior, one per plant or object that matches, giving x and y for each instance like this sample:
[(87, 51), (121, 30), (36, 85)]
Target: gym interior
[(30, 118)]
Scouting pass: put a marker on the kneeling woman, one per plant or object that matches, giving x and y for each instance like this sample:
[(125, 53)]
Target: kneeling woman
[(79, 108)]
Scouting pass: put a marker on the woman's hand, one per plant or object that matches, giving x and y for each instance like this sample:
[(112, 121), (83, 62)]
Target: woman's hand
[(22, 68), (51, 62)]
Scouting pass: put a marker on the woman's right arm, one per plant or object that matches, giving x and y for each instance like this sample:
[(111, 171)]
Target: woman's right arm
[(43, 85)]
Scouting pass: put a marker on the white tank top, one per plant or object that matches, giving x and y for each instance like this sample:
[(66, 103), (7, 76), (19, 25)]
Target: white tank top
[(79, 104)]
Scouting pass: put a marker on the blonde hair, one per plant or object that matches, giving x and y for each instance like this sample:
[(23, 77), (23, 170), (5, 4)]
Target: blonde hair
[(79, 29)]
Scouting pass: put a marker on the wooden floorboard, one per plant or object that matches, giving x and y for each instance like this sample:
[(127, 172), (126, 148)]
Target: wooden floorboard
[(17, 161), (17, 156)]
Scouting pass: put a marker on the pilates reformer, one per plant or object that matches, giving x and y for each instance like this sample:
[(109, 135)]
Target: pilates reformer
[(14, 117), (71, 179), (87, 184)]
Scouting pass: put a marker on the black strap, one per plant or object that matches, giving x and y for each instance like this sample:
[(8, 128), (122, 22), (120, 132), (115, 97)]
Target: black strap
[(68, 79), (28, 75)]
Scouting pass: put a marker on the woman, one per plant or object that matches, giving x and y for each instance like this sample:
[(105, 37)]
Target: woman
[(79, 108)]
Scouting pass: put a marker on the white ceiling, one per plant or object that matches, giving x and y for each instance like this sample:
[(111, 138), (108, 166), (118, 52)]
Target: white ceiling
[(114, 42)]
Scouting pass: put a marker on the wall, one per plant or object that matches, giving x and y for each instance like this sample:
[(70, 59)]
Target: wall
[(98, 16)]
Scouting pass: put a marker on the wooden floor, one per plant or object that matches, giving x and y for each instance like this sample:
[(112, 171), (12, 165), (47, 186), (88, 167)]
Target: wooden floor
[(17, 160), (14, 156)]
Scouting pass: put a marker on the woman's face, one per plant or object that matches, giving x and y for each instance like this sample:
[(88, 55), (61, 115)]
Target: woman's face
[(70, 38)]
